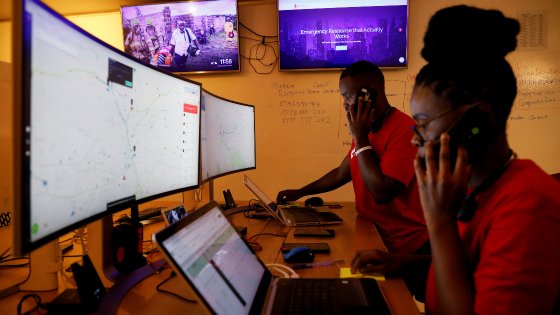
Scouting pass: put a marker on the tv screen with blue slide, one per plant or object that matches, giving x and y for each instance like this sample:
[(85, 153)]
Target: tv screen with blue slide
[(329, 34)]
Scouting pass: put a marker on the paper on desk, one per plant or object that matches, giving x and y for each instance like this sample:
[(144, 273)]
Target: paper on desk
[(346, 273)]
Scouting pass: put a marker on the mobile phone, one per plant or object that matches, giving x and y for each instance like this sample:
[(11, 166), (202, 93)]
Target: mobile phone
[(472, 130), (313, 233), (229, 200), (315, 247), (367, 94)]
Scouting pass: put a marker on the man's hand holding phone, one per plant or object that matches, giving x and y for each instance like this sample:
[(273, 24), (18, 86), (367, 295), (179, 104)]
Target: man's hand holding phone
[(359, 122)]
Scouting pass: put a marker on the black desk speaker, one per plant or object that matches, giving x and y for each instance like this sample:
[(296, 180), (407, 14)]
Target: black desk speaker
[(127, 244)]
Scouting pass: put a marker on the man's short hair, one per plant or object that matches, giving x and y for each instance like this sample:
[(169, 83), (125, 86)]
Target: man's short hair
[(364, 71)]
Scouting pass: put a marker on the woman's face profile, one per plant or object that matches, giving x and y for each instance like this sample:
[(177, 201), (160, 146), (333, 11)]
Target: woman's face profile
[(424, 105)]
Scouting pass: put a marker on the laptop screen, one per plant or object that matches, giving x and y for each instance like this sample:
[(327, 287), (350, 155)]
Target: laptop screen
[(259, 193), (218, 263)]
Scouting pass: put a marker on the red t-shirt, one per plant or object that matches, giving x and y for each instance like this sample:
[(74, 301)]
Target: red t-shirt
[(401, 222), (513, 244)]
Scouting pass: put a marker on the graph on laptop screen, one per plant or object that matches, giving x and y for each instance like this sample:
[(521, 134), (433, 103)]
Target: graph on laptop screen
[(101, 130), (228, 136)]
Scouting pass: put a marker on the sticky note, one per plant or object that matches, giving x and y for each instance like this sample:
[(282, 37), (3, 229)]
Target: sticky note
[(346, 273)]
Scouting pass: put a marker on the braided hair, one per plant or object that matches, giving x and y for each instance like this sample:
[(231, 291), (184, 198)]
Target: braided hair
[(465, 49)]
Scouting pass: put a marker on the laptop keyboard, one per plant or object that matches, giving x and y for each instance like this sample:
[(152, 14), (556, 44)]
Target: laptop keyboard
[(304, 215), (311, 296)]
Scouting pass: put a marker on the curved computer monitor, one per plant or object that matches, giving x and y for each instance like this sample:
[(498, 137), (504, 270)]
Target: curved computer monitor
[(97, 130), (227, 137)]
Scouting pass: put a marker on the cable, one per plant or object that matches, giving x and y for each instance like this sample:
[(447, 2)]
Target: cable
[(14, 266), (273, 64), (153, 263), (37, 300), (252, 237), (264, 43), (168, 292), (254, 242), (258, 40), (2, 257), (275, 267), (250, 30), (66, 240), (5, 260), (254, 216)]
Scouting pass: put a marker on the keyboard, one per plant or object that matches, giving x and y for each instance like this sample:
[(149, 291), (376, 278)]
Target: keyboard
[(312, 296), (149, 213), (302, 215)]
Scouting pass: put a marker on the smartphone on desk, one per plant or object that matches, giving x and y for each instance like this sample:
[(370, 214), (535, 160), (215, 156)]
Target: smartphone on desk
[(313, 233)]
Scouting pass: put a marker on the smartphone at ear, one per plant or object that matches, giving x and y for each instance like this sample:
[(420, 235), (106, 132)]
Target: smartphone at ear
[(367, 94), (474, 131)]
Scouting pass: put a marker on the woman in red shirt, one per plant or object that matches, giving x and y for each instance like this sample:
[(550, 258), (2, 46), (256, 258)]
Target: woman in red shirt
[(493, 219)]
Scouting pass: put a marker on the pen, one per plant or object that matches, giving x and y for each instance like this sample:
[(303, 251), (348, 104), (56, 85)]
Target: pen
[(324, 263)]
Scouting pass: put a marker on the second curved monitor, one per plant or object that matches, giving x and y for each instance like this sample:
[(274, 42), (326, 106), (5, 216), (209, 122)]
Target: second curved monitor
[(227, 136)]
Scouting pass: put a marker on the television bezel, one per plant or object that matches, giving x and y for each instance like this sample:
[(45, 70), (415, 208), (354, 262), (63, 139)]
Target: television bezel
[(339, 69), (188, 1), (22, 117), (204, 181)]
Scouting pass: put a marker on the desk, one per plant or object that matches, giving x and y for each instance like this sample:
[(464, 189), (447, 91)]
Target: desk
[(356, 233)]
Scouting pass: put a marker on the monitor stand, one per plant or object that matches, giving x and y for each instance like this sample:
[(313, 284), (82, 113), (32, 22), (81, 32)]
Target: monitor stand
[(100, 251), (44, 265)]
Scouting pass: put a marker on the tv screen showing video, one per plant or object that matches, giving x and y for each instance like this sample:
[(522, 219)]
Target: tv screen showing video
[(330, 34), (184, 37)]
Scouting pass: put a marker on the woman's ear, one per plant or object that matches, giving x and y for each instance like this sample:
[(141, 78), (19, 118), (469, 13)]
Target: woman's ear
[(486, 109)]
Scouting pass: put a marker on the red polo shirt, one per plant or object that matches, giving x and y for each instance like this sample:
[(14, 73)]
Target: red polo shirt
[(513, 244), (401, 222)]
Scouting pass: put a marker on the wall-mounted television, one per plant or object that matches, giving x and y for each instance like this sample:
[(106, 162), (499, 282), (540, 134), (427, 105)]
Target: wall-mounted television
[(183, 37), (333, 34)]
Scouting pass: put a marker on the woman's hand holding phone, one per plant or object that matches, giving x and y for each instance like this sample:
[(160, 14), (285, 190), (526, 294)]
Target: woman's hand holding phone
[(442, 190)]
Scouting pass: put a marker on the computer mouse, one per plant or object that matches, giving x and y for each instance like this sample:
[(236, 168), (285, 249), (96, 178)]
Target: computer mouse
[(299, 255), (314, 201)]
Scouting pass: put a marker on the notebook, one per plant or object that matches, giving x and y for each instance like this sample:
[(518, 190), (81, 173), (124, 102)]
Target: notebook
[(292, 216), (208, 253)]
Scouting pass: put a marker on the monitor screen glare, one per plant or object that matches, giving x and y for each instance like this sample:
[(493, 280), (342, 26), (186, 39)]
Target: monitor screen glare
[(101, 127), (192, 36), (333, 34), (228, 136)]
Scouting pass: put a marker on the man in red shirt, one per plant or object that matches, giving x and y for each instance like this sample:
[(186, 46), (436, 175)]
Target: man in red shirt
[(379, 164)]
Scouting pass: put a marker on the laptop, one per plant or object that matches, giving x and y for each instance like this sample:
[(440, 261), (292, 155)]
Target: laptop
[(208, 253), (292, 216)]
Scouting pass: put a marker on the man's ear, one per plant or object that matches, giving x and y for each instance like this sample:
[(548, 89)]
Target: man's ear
[(373, 87)]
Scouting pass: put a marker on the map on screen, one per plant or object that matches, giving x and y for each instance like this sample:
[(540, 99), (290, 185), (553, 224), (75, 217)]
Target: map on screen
[(103, 127), (228, 136)]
